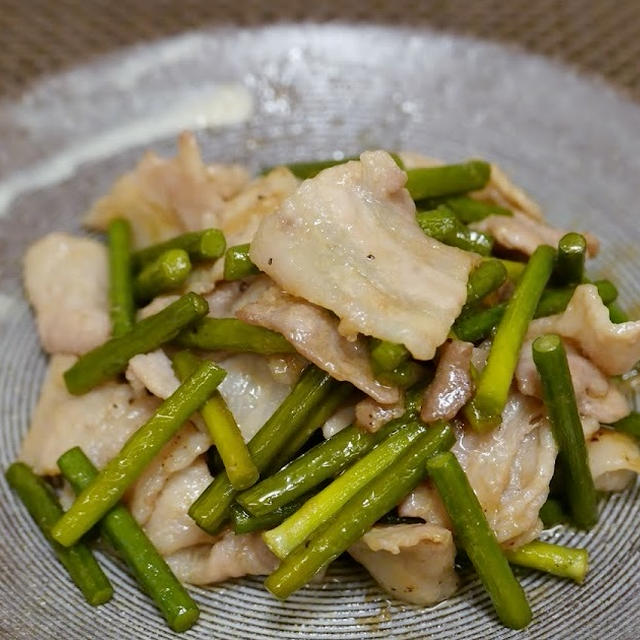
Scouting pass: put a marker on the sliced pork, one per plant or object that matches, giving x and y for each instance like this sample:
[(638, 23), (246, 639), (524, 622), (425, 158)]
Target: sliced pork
[(510, 468), (313, 332), (372, 415), (251, 391), (452, 386), (152, 371), (169, 526), (163, 197), (241, 215), (425, 502), (614, 459), (250, 388), (99, 421), (613, 348), (525, 234), (232, 556), (502, 191), (413, 562), (178, 454), (347, 240), (597, 396), (66, 282)]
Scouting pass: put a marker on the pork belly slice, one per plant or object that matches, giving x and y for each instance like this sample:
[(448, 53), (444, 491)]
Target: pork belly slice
[(523, 233), (614, 459), (242, 214), (232, 556), (313, 331), (596, 395), (509, 468), (501, 190), (250, 388), (452, 386), (412, 562), (347, 240), (163, 197), (178, 454), (613, 348), (66, 281), (372, 415), (169, 526), (99, 421)]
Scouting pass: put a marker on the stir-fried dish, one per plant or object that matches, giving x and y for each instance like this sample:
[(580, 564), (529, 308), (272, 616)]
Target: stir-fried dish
[(385, 356)]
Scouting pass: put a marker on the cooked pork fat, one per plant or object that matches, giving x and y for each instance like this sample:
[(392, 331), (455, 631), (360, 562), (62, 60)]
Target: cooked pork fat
[(510, 468), (170, 527), (178, 454), (613, 348), (372, 415), (99, 421), (249, 388), (313, 332), (66, 282), (597, 396), (526, 234), (347, 240), (452, 386), (153, 372), (163, 197), (232, 556), (413, 562), (502, 191), (614, 459)]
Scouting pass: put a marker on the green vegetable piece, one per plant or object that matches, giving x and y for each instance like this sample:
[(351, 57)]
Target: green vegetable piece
[(201, 246), (360, 513), (551, 513), (485, 410), (305, 170), (607, 290), (486, 278), (475, 536), (469, 210), (121, 304), (447, 180), (316, 419), (323, 506), (630, 424), (564, 562), (386, 356), (476, 325), (223, 429), (514, 268), (617, 314), (404, 375), (551, 362), (166, 273), (442, 225), (44, 508), (127, 537), (231, 334), (570, 259), (111, 358), (211, 510), (243, 522), (322, 462), (138, 451), (237, 263)]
